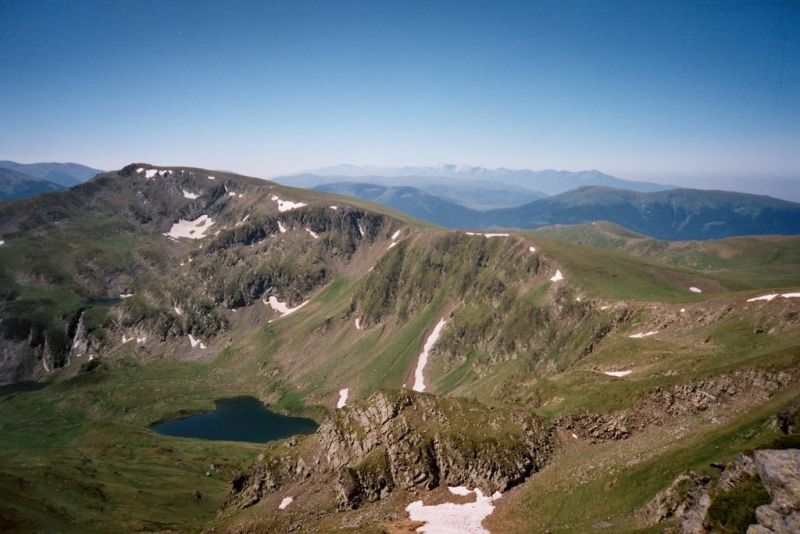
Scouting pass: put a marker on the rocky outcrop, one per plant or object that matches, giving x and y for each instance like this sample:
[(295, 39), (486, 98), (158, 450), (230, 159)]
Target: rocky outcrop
[(779, 471), (656, 406), (408, 441), (685, 501)]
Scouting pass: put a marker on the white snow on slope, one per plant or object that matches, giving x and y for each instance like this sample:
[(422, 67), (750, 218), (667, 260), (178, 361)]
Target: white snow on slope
[(195, 229), (189, 195), (281, 227), (358, 324), (531, 249), (178, 310), (453, 518), (285, 502), (785, 295), (2, 242), (141, 340), (287, 205), (149, 173), (312, 233), (618, 374), (487, 235), (281, 307), (419, 377), (196, 342), (361, 230), (212, 178), (334, 207), (558, 276), (763, 297), (343, 394), (396, 235), (695, 289), (644, 334), (125, 295), (391, 245)]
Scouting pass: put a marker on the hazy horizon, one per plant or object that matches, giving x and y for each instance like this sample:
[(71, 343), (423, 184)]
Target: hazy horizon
[(691, 94)]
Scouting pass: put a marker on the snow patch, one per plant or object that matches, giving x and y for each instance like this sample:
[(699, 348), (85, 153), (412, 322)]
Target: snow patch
[(361, 230), (487, 235), (141, 340), (763, 297), (189, 195), (334, 207), (285, 502), (557, 277), (195, 229), (785, 295), (419, 377), (282, 307), (391, 245), (531, 249), (125, 338), (396, 235), (640, 335), (124, 296), (2, 242), (149, 173), (178, 310), (287, 205), (358, 324), (695, 289), (212, 177), (343, 394), (605, 307), (618, 374), (281, 227), (196, 342), (453, 518), (312, 233)]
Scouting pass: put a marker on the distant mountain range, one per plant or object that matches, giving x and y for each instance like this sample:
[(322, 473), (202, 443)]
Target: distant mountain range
[(549, 182), (15, 185), (63, 174), (675, 214), (20, 180)]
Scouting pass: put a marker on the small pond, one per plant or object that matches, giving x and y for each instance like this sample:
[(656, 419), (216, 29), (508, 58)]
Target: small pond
[(237, 419), (28, 385)]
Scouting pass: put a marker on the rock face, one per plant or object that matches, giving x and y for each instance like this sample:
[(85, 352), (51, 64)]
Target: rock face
[(656, 406), (686, 500), (408, 441), (779, 471)]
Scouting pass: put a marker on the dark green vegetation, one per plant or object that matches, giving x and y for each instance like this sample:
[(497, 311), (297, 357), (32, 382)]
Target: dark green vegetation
[(732, 511), (374, 284), (15, 185), (675, 214)]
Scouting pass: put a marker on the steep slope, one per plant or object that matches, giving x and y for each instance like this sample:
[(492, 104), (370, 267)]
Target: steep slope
[(147, 293), (63, 174), (14, 185), (408, 200), (676, 214)]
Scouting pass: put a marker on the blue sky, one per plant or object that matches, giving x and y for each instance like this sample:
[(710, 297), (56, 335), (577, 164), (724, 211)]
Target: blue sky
[(694, 93)]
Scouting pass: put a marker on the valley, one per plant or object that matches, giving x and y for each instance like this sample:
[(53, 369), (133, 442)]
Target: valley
[(572, 363)]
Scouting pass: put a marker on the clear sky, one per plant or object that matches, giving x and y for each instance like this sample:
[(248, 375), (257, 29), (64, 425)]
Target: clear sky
[(693, 93)]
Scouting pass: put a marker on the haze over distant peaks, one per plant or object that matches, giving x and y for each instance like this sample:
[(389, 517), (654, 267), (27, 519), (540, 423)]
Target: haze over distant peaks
[(549, 181), (63, 174)]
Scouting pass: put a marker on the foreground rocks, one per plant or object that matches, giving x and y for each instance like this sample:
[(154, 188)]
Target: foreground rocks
[(403, 440)]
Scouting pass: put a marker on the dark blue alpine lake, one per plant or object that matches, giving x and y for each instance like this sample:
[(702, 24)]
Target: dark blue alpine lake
[(237, 419)]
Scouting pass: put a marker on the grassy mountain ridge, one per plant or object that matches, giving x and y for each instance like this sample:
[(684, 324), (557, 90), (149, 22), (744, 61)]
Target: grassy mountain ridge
[(373, 284), (676, 214)]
